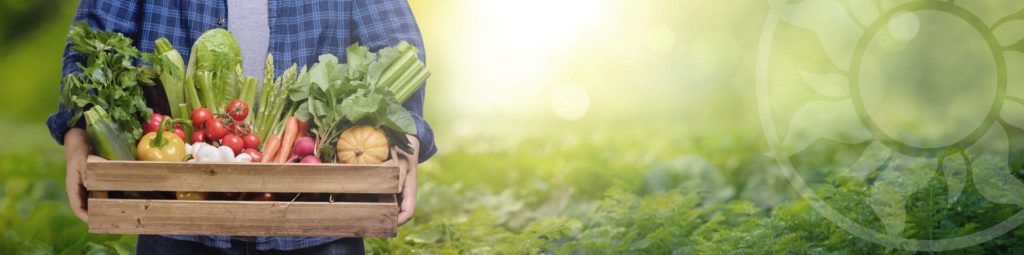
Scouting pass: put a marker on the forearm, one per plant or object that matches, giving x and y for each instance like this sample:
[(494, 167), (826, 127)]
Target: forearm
[(76, 145)]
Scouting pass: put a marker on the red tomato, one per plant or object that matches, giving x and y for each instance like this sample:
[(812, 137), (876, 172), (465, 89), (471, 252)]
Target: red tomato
[(200, 116), (180, 133), (235, 142), (198, 136), (237, 109), (215, 129), (255, 154), (251, 140), (237, 128)]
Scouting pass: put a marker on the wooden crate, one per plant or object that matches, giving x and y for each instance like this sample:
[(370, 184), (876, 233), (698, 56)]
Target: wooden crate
[(243, 218)]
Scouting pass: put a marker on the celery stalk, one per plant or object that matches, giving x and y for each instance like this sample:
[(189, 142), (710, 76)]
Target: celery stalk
[(191, 94), (408, 89), (206, 91), (397, 69)]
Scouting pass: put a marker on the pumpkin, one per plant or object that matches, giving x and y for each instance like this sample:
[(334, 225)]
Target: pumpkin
[(362, 144)]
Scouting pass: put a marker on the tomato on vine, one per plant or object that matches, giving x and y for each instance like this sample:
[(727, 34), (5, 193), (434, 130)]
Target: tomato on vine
[(237, 109)]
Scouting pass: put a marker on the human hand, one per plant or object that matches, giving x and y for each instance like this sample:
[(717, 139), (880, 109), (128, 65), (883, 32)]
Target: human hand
[(76, 150), (407, 165)]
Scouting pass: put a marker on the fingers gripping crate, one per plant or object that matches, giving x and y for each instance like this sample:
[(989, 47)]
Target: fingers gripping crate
[(374, 217)]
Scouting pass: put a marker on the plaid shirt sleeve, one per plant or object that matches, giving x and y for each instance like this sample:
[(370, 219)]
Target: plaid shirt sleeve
[(117, 16), (380, 24)]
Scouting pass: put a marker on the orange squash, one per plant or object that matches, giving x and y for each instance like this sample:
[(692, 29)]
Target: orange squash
[(362, 144)]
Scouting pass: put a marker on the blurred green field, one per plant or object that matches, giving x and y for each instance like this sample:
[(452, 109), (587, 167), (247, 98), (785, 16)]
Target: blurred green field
[(668, 157)]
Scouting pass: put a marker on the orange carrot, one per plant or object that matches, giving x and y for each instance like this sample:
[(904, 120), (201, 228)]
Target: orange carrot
[(303, 128), (271, 148), (291, 133)]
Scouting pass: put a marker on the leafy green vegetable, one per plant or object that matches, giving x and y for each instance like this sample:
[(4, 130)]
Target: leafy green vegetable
[(340, 95), (213, 65), (107, 80)]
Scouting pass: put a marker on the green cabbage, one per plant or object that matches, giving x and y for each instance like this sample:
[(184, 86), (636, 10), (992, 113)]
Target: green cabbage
[(217, 53)]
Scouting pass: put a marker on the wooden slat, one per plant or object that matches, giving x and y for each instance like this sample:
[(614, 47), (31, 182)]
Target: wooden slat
[(243, 218), (234, 177)]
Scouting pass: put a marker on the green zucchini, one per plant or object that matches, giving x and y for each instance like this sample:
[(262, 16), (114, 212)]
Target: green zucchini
[(106, 138)]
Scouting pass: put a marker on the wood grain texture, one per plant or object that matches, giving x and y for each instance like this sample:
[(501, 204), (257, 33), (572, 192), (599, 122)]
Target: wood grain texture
[(236, 177), (243, 218)]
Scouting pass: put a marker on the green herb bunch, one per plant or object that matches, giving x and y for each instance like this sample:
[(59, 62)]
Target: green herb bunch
[(107, 79)]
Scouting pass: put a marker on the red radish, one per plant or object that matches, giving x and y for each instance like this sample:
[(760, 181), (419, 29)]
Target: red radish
[(255, 154), (304, 146), (179, 132), (153, 124), (294, 159), (311, 160)]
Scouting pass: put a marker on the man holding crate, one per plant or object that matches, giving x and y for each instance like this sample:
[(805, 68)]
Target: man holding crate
[(294, 32)]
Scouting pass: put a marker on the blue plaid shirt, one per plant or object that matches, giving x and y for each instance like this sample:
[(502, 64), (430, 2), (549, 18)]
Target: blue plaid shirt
[(299, 32)]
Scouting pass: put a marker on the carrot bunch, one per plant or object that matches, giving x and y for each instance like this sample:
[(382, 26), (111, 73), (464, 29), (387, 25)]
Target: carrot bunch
[(278, 149)]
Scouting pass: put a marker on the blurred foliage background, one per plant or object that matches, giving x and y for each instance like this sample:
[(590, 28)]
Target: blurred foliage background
[(569, 126)]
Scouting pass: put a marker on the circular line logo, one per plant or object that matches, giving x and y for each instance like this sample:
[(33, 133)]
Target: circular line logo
[(915, 112)]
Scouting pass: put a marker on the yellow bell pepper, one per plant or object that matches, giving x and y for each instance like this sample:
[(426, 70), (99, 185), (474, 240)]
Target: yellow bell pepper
[(160, 146)]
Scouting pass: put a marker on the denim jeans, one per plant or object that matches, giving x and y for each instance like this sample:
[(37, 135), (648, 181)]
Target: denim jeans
[(151, 244)]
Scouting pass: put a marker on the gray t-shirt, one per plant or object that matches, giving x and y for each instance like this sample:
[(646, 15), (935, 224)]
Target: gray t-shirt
[(249, 22)]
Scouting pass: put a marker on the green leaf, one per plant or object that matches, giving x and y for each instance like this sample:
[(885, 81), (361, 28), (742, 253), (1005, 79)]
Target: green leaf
[(302, 112), (398, 118), (358, 106)]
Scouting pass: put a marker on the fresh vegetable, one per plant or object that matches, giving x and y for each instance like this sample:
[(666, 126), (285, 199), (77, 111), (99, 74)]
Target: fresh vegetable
[(305, 146), (238, 110), (161, 146), (362, 144), (108, 80), (405, 72), (203, 152), (310, 160), (271, 148), (179, 132), (255, 154), (356, 93), (106, 138), (200, 116), (274, 99), (234, 142), (198, 137), (153, 124), (251, 141), (291, 132), (303, 128), (212, 64), (171, 68), (248, 94), (215, 129)]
